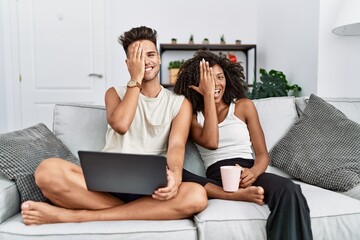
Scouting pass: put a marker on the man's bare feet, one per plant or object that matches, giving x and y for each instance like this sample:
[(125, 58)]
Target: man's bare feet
[(35, 213), (250, 194)]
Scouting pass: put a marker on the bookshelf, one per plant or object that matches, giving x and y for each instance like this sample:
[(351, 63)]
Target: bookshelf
[(245, 53)]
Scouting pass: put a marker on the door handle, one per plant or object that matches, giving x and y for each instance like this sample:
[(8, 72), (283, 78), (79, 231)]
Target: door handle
[(95, 75)]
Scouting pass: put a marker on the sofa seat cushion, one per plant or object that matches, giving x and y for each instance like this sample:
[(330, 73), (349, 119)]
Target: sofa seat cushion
[(14, 229), (333, 216), (232, 220), (9, 198), (278, 171), (354, 192)]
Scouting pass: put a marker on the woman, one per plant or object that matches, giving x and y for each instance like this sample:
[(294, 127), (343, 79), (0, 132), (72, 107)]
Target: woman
[(225, 128)]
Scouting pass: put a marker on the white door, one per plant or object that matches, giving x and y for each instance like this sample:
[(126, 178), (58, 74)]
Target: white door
[(61, 48)]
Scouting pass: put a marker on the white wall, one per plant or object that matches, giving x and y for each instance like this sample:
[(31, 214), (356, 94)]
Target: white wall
[(291, 36), (3, 109), (177, 19), (9, 68), (288, 40), (339, 56)]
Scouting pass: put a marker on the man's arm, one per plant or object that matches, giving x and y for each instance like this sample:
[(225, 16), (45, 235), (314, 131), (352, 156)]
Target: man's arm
[(179, 132), (120, 112)]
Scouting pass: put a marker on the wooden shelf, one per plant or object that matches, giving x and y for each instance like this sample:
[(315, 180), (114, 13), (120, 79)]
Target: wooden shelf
[(178, 48), (211, 47)]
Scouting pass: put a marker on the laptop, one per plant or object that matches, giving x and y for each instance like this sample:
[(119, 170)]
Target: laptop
[(123, 173)]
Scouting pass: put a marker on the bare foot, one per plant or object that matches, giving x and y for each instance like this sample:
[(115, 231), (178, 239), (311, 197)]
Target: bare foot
[(35, 213), (250, 194)]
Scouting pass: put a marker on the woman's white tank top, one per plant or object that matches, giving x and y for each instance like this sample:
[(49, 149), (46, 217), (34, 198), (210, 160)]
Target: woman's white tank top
[(234, 140)]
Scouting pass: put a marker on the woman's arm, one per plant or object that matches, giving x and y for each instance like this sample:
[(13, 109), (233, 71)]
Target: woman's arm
[(246, 111), (207, 135)]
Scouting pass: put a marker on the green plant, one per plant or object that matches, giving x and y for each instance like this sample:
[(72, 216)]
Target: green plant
[(191, 39), (273, 84), (222, 39), (175, 64)]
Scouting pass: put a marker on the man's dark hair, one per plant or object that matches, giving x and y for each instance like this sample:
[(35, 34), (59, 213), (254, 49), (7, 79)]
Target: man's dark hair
[(136, 34), (189, 74)]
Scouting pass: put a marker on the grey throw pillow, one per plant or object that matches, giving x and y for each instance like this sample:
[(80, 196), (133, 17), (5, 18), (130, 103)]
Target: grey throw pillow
[(322, 148), (22, 151)]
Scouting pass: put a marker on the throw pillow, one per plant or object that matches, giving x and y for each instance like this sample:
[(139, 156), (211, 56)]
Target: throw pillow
[(22, 151), (322, 148)]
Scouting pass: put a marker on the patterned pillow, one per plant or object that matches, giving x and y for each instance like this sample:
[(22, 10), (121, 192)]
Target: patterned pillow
[(322, 148), (22, 151)]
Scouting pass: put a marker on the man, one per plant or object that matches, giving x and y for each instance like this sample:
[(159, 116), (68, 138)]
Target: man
[(143, 117)]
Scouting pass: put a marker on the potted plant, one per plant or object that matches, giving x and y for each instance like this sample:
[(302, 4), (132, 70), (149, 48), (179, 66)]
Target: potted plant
[(272, 84), (222, 39), (238, 41), (174, 67), (191, 39), (173, 40), (205, 41)]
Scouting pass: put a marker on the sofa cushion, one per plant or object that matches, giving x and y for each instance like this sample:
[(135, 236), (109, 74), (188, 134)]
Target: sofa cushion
[(349, 106), (80, 127), (78, 137), (333, 216), (278, 171), (193, 161), (322, 148), (224, 219), (9, 198), (277, 115), (354, 192), (14, 229), (22, 151)]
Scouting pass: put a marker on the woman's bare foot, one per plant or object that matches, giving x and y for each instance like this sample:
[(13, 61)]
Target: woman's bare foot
[(250, 194), (35, 213)]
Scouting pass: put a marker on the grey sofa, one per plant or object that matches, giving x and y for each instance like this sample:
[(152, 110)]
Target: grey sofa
[(334, 215)]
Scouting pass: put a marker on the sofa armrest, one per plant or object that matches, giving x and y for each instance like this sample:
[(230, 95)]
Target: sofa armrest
[(9, 198)]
